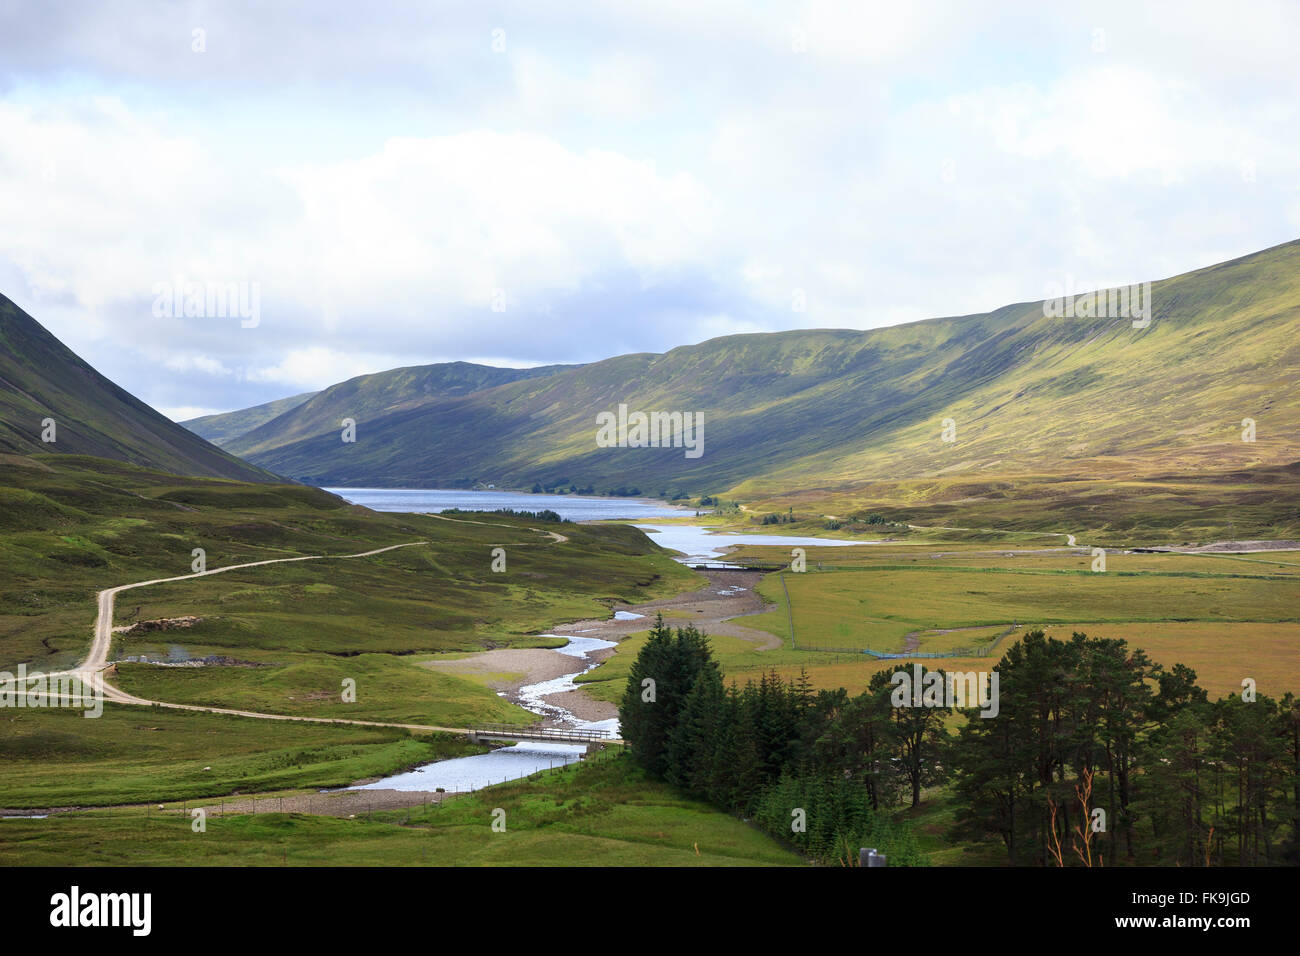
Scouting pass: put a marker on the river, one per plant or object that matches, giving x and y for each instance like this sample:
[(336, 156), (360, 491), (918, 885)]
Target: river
[(696, 544), (517, 760)]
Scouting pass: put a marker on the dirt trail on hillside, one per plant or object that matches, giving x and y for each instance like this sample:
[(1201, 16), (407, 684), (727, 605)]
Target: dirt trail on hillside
[(93, 670)]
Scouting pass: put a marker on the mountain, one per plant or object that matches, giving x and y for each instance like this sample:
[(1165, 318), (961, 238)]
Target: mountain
[(370, 397), (225, 427), (41, 378), (1029, 393)]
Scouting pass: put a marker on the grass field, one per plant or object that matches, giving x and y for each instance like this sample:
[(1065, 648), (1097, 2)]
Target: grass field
[(876, 609), (388, 688), (1226, 616), (56, 757), (281, 638), (1103, 502), (598, 813)]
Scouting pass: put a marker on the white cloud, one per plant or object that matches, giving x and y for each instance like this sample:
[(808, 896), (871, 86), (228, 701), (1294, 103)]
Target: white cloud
[(630, 177), (203, 364), (316, 367), (183, 413), (454, 218)]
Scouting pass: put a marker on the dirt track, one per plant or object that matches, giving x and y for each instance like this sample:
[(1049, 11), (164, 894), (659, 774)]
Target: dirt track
[(337, 803), (94, 668)]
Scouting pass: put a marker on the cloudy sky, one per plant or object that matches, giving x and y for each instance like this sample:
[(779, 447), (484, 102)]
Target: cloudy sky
[(526, 183)]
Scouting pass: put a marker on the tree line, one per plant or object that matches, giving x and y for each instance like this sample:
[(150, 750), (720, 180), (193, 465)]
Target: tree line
[(1096, 756)]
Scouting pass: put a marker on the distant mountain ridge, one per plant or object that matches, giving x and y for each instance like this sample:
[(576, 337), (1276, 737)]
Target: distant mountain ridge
[(41, 378), (224, 427), (1025, 391), (368, 397)]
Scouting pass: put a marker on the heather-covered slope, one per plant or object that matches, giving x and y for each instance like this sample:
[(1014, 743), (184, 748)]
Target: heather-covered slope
[(830, 409), (41, 378)]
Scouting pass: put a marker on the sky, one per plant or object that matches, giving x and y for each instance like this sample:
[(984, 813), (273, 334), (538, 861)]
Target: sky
[(392, 184)]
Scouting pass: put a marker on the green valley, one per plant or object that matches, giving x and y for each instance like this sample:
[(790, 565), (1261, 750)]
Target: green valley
[(1056, 421)]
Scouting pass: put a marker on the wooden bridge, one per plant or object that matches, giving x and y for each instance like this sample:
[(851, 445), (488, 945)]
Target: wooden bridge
[(555, 735)]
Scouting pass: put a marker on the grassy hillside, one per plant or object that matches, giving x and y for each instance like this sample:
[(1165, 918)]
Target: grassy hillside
[(369, 397), (41, 378), (1156, 509), (828, 412), (225, 427), (70, 526)]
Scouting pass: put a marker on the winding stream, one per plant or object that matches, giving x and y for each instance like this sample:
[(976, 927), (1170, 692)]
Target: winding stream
[(523, 759), (517, 760)]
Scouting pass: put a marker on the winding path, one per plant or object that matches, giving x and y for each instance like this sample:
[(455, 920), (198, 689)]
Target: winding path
[(90, 671), (98, 656)]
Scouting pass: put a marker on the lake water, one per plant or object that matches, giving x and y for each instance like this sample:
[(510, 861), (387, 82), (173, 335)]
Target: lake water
[(702, 544), (697, 544), (573, 507)]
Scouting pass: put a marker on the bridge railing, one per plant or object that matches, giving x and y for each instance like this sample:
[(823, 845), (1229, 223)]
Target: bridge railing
[(535, 732)]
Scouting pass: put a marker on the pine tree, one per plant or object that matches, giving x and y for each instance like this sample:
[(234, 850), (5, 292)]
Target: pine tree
[(643, 719), (916, 730), (691, 749)]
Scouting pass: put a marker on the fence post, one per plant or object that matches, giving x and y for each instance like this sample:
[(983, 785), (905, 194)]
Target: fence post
[(867, 856)]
